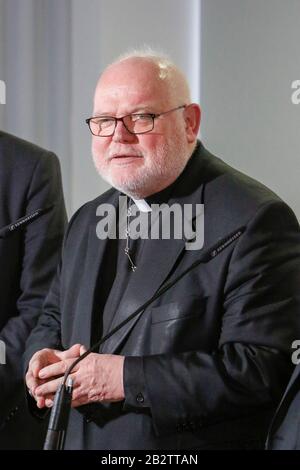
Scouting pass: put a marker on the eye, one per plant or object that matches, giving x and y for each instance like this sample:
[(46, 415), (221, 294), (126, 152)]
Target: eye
[(140, 117), (104, 122)]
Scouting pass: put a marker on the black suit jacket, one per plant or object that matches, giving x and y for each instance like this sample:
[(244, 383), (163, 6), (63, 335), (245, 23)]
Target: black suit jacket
[(284, 432), (207, 362), (29, 179)]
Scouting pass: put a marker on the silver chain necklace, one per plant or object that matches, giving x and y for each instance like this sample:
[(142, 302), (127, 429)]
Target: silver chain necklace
[(127, 247)]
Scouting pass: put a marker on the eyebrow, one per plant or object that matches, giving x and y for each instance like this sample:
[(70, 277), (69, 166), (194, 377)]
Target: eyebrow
[(144, 109), (140, 109)]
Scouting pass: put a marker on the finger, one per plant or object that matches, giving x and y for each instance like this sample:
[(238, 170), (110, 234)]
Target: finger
[(82, 350), (48, 388), (43, 402), (58, 369), (35, 366), (31, 382), (49, 402), (72, 352), (31, 387), (42, 358), (79, 402), (53, 370), (40, 402)]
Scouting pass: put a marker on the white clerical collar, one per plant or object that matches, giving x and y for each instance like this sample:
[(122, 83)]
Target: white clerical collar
[(142, 205)]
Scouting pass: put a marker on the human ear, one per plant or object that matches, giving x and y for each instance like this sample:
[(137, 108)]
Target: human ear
[(192, 116)]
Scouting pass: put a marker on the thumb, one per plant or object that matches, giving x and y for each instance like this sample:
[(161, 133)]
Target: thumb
[(70, 353), (74, 350), (82, 350)]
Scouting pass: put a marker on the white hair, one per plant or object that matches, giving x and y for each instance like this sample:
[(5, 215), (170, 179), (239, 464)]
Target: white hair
[(147, 52), (168, 70)]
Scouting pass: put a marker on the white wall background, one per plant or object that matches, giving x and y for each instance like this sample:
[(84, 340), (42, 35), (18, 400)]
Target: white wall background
[(52, 51), (250, 56), (35, 62)]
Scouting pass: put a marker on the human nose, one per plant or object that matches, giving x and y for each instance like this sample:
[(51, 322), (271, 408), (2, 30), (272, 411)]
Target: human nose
[(121, 134)]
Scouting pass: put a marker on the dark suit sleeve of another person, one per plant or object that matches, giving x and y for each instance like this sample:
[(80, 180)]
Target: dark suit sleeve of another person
[(251, 365), (47, 332), (41, 243)]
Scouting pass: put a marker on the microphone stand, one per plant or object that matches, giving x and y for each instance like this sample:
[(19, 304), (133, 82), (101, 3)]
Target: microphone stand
[(59, 416)]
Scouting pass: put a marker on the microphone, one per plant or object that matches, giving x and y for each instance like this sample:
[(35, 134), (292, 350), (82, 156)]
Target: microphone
[(23, 221), (63, 397), (59, 417)]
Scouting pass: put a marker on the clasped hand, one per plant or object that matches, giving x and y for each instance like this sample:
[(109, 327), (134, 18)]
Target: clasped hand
[(97, 378)]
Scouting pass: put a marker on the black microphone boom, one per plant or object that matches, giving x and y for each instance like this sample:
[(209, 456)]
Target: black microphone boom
[(56, 433), (23, 221)]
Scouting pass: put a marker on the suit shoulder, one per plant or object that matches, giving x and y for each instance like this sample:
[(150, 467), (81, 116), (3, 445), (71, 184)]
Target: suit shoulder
[(15, 152), (233, 187), (231, 198), (86, 214), (109, 196)]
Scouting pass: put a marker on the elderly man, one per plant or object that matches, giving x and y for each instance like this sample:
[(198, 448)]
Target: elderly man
[(204, 365), (29, 180)]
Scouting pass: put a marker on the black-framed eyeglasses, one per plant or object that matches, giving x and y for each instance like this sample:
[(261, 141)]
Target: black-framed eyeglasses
[(136, 123)]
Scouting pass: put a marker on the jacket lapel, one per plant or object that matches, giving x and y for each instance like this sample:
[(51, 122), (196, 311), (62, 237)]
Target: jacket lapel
[(86, 300)]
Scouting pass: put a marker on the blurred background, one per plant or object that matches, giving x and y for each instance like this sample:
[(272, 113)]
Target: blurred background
[(240, 57)]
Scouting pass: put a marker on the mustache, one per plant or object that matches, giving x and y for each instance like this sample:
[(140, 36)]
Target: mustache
[(124, 153)]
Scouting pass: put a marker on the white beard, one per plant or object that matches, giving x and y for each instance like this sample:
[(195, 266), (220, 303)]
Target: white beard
[(154, 175)]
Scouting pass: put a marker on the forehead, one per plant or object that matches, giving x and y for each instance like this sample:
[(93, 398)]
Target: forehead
[(131, 86)]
